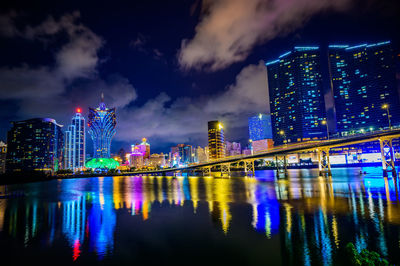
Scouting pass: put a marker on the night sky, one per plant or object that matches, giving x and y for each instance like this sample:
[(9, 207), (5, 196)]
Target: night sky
[(167, 66)]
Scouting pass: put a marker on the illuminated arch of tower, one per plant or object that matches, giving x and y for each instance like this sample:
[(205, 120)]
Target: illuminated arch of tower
[(102, 123)]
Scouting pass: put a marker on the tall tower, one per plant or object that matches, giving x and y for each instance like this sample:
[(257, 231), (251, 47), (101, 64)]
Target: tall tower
[(296, 96), (216, 140), (75, 143), (363, 79), (102, 122)]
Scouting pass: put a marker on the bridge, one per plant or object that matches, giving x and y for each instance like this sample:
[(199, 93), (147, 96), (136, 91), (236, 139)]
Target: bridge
[(279, 154)]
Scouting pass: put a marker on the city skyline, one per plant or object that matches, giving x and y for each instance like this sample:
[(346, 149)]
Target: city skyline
[(124, 64)]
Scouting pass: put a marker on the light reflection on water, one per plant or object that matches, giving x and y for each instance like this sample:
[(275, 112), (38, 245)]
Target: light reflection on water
[(303, 218)]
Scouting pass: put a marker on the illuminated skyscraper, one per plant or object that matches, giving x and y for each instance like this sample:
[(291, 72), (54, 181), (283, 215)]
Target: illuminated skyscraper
[(296, 96), (34, 144), (363, 79), (3, 152), (260, 127), (75, 143), (216, 140), (102, 122)]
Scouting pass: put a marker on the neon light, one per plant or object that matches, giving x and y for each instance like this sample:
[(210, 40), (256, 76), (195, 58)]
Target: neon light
[(272, 62), (302, 48), (338, 46), (357, 46), (285, 54), (78, 110), (102, 163)]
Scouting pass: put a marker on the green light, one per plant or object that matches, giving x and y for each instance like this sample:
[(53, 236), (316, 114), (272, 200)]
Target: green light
[(102, 163)]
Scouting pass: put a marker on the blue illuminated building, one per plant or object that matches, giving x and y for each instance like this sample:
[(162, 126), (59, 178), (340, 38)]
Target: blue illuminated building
[(363, 79), (260, 127), (75, 143), (296, 96), (102, 122)]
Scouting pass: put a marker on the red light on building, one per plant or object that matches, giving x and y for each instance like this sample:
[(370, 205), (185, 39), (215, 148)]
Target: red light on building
[(78, 110)]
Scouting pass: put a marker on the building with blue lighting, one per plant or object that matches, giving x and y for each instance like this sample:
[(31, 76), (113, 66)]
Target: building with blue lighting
[(34, 145), (75, 143), (363, 80), (296, 96), (260, 127), (102, 122)]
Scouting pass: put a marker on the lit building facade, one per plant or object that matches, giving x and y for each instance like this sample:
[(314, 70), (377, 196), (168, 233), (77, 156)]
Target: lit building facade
[(35, 144), (201, 154), (296, 96), (143, 148), (216, 140), (185, 152), (232, 148), (75, 143), (102, 123), (260, 127), (136, 158), (363, 79), (3, 154)]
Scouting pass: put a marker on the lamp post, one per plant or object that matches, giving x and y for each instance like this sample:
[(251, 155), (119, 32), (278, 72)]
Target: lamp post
[(282, 133), (386, 106), (324, 122)]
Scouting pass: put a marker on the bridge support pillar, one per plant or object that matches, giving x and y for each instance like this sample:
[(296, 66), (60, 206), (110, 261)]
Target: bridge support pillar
[(206, 171), (281, 165), (225, 169), (387, 154), (249, 167), (323, 162)]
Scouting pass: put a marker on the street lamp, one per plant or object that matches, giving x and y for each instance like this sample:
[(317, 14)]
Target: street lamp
[(282, 133), (324, 122), (386, 106)]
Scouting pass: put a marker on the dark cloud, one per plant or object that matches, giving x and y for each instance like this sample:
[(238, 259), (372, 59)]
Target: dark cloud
[(71, 81), (229, 29), (183, 119)]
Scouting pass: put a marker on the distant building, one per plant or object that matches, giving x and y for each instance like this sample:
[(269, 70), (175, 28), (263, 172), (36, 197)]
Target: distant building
[(247, 151), (296, 96), (232, 148), (363, 79), (3, 154), (136, 158), (262, 145), (216, 140), (156, 160), (202, 154), (122, 155), (75, 143), (185, 152), (143, 148), (34, 144), (102, 122), (260, 127)]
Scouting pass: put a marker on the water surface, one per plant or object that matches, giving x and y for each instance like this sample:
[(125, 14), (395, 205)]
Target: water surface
[(304, 219)]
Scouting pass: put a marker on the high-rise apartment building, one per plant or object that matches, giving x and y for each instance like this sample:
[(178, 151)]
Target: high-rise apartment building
[(216, 141), (296, 96), (75, 143), (260, 127), (363, 81), (102, 122), (34, 144)]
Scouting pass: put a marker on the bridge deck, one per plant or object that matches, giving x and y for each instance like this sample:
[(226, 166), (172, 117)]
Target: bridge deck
[(287, 149)]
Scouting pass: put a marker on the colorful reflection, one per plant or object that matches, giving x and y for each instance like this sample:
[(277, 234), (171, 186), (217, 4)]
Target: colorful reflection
[(312, 217)]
